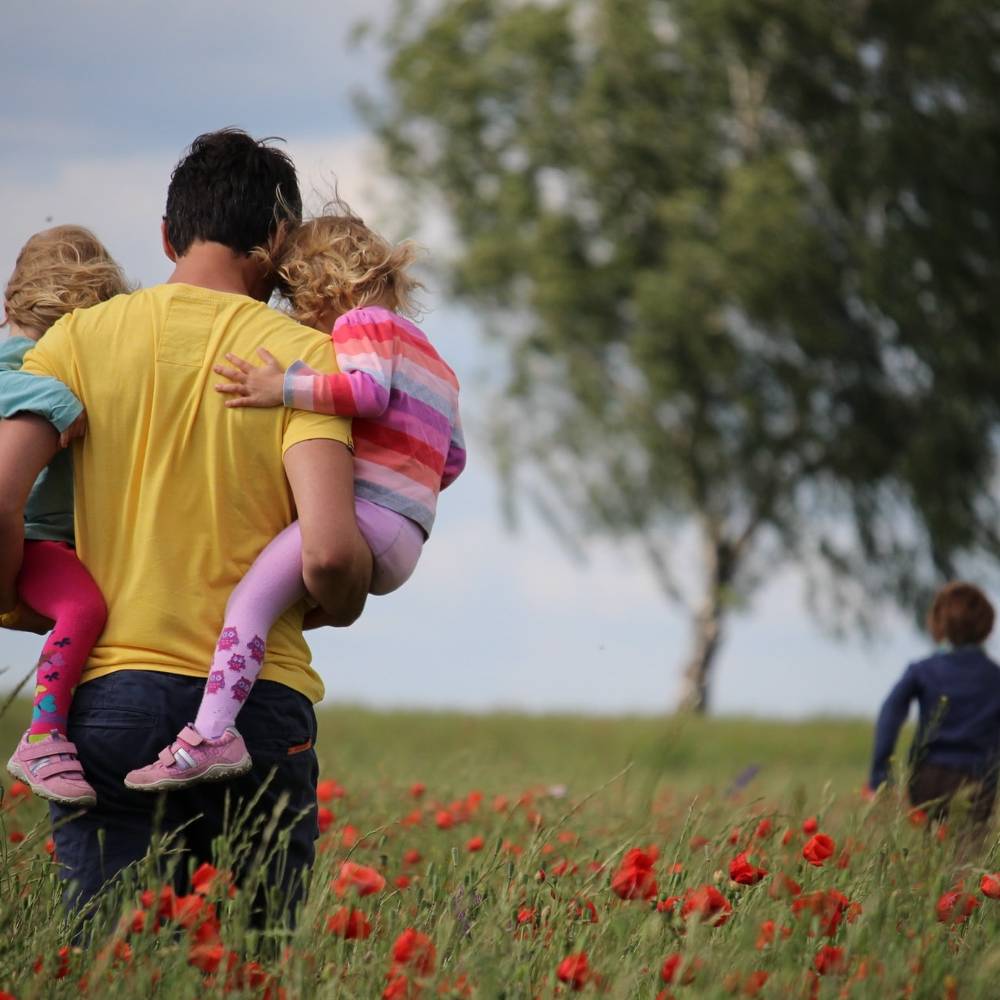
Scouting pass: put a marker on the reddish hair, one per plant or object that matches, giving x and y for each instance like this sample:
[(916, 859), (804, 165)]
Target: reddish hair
[(960, 614)]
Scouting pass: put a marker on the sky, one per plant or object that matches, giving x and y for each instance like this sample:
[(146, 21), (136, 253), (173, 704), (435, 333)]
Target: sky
[(103, 97)]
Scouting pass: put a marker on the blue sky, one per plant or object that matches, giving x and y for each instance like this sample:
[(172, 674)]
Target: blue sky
[(103, 98)]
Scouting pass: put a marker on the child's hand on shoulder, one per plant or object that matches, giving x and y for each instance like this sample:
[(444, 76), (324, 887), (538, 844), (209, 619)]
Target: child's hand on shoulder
[(252, 386)]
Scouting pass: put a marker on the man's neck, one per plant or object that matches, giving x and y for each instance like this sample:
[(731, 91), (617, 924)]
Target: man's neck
[(215, 266)]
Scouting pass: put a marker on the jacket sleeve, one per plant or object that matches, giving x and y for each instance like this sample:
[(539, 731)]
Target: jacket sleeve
[(891, 717), (455, 462), (22, 392), (365, 346)]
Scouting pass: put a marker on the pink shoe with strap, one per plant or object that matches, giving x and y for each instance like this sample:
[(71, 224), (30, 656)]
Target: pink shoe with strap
[(192, 758), (51, 768)]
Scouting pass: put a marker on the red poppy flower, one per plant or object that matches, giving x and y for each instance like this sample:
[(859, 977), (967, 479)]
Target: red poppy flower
[(349, 924), (743, 872), (474, 844), (811, 825), (672, 965), (782, 886), (574, 970), (19, 790), (707, 903), (989, 886), (763, 830), (443, 819), (417, 789), (207, 878), (828, 907), (329, 789), (583, 909), (415, 950), (349, 836), (956, 906), (207, 957), (363, 880), (634, 878), (412, 857), (754, 983), (324, 819), (818, 849), (829, 960), (399, 988)]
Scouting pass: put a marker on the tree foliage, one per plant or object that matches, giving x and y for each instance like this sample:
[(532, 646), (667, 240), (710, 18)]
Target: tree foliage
[(744, 257)]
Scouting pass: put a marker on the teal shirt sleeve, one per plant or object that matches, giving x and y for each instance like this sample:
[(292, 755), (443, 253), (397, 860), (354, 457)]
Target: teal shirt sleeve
[(48, 514), (21, 392)]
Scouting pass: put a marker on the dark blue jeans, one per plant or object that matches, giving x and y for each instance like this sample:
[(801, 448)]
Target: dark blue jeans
[(123, 720)]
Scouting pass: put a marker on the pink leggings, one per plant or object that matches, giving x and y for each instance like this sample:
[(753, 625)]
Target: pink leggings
[(274, 583), (56, 584)]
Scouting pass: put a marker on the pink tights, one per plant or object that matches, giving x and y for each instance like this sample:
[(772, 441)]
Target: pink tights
[(56, 584), (272, 584)]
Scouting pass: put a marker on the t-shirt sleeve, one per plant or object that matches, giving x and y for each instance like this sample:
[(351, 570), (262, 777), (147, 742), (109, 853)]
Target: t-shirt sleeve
[(303, 425), (53, 355)]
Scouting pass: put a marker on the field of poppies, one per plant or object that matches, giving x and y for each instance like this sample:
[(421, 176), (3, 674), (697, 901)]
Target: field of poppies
[(513, 857)]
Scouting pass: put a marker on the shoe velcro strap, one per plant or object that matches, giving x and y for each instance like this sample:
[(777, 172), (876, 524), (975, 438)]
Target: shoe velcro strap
[(45, 748), (190, 736), (56, 766)]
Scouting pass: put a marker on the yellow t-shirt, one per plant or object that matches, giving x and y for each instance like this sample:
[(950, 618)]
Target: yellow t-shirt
[(175, 494)]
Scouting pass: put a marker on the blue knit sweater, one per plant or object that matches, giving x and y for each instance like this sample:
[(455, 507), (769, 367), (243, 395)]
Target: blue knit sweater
[(958, 692)]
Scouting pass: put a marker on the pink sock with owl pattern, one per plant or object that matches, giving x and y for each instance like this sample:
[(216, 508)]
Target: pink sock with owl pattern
[(272, 584)]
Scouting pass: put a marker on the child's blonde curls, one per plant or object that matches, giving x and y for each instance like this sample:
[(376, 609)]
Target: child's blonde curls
[(334, 263), (59, 270)]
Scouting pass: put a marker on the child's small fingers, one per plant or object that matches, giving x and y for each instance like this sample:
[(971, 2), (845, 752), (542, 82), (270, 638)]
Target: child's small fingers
[(267, 356), (230, 373), (232, 388), (244, 366)]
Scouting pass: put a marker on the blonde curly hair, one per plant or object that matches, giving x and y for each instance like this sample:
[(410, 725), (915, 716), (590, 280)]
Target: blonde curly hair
[(334, 263), (59, 270)]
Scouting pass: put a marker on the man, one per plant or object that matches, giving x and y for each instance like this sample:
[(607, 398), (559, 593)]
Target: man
[(175, 497)]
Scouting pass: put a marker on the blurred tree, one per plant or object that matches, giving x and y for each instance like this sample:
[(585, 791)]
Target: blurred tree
[(744, 257)]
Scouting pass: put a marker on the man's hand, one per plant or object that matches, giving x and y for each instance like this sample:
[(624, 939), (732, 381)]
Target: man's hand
[(25, 619), (250, 386), (75, 430)]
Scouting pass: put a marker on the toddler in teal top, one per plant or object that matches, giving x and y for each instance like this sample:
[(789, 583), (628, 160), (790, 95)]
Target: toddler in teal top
[(57, 271)]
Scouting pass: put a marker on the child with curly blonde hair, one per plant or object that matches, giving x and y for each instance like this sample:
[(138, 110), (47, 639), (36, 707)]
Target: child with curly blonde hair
[(341, 278), (57, 271)]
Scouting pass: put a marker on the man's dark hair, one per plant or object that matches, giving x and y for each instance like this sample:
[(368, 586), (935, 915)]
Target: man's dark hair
[(232, 189)]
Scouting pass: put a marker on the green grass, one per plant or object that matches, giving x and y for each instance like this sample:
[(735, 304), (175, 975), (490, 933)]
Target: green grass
[(574, 790)]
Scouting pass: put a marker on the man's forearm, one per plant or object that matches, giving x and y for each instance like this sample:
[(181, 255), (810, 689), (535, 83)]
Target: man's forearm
[(27, 445), (11, 550)]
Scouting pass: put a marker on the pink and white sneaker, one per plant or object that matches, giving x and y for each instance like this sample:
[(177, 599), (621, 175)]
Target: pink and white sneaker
[(192, 758), (51, 768)]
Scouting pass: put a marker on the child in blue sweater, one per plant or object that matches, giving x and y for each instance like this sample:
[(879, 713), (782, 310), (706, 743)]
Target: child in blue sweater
[(958, 690)]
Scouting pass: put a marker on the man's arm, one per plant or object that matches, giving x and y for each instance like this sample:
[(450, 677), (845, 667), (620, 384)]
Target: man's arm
[(27, 444), (336, 561)]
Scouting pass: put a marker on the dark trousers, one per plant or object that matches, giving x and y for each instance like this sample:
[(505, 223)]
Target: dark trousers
[(121, 721), (932, 787)]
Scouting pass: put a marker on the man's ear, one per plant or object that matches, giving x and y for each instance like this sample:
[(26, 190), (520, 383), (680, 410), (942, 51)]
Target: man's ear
[(168, 247)]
